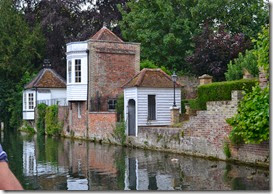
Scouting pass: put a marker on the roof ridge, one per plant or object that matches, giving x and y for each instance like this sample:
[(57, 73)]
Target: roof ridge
[(140, 79), (100, 32)]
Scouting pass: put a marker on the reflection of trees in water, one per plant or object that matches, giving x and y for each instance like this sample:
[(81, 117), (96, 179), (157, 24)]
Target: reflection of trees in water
[(119, 156)]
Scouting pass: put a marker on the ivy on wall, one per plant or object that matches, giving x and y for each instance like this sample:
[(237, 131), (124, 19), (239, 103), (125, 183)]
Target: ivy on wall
[(52, 125)]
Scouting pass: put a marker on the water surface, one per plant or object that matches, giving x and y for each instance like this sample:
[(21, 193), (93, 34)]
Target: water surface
[(43, 163)]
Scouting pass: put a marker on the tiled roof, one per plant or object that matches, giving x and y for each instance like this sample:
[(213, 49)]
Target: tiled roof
[(106, 34), (151, 78), (47, 78)]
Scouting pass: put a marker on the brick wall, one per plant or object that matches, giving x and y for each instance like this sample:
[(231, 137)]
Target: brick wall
[(63, 112), (111, 65), (77, 122), (101, 124), (203, 135)]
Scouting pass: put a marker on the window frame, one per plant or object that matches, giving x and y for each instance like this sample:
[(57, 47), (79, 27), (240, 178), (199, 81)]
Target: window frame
[(25, 101), (69, 70), (78, 74), (151, 117), (112, 104), (30, 101)]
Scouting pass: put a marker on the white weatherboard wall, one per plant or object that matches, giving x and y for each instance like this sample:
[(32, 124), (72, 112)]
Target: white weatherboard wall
[(28, 114), (51, 95), (164, 100), (77, 91)]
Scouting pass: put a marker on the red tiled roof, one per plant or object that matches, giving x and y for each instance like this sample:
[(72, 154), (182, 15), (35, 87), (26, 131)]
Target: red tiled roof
[(151, 78), (106, 34), (47, 78)]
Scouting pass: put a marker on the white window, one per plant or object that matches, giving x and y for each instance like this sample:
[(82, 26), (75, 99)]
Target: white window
[(25, 101), (78, 71), (30, 101), (69, 71), (79, 110)]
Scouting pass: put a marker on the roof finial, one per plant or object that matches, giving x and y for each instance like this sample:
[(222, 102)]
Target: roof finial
[(104, 25), (47, 63)]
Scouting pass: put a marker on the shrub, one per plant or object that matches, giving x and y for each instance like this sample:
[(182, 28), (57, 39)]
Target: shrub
[(218, 91), (119, 132), (41, 108), (236, 67), (120, 107), (52, 125), (251, 123), (227, 150)]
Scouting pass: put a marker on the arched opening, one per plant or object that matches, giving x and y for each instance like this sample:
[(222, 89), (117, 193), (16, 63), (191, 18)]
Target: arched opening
[(132, 117)]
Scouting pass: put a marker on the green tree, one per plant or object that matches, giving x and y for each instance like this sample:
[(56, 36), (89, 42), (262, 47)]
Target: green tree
[(164, 29), (241, 16), (151, 65), (236, 67), (251, 124), (21, 50)]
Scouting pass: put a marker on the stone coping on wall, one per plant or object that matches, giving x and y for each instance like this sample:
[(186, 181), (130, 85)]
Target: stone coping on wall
[(102, 112)]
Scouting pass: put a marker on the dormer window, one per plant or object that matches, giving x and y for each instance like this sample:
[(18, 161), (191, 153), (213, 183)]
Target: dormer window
[(69, 71), (78, 71)]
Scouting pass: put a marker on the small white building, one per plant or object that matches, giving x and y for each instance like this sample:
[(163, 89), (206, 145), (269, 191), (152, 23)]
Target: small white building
[(47, 87), (148, 97)]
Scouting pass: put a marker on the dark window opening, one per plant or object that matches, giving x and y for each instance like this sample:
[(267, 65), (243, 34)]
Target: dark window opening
[(151, 107), (112, 104)]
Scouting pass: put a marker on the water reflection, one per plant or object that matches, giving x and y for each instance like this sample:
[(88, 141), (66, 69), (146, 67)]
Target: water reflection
[(63, 164)]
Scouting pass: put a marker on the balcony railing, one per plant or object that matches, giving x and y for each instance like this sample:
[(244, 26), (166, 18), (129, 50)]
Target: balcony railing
[(56, 101)]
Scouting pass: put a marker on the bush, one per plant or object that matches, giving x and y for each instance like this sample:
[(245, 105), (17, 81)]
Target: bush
[(227, 150), (218, 91), (41, 108), (52, 125), (236, 67), (120, 107), (251, 124), (119, 132)]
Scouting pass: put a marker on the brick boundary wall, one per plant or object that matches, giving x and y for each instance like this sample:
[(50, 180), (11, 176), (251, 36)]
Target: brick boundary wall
[(101, 125), (203, 135)]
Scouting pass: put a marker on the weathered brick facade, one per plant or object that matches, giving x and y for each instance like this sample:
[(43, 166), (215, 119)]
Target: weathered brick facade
[(77, 120), (101, 124), (111, 65)]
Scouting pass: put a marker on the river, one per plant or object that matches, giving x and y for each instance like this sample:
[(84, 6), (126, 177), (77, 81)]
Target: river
[(44, 163)]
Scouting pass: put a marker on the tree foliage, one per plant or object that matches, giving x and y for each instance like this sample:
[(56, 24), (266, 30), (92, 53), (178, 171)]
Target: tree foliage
[(246, 61), (151, 65), (213, 51), (251, 124), (21, 50), (240, 16), (164, 29), (66, 21)]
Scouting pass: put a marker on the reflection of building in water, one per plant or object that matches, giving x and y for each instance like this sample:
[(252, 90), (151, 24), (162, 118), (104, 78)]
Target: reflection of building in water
[(77, 184), (139, 179), (29, 160)]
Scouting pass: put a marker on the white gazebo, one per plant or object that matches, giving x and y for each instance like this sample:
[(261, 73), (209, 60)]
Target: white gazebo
[(148, 97)]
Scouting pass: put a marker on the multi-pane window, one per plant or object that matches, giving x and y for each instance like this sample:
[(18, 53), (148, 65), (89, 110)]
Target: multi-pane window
[(112, 104), (25, 101), (69, 71), (78, 71), (30, 101), (151, 107)]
